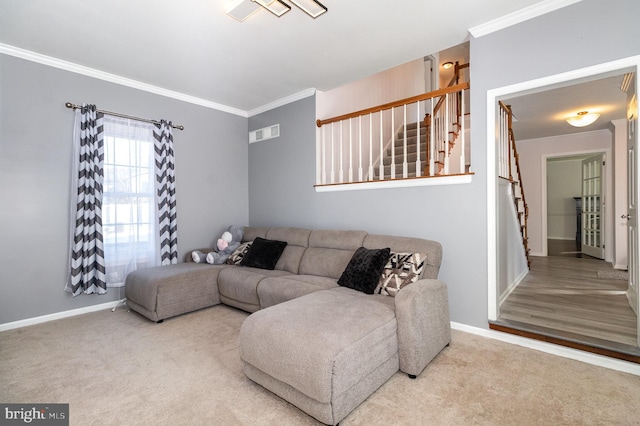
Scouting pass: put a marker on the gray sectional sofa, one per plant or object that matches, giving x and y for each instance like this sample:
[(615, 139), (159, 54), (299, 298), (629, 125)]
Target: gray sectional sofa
[(321, 346)]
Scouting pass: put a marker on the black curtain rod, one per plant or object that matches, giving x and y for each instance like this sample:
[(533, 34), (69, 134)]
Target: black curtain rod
[(146, 120)]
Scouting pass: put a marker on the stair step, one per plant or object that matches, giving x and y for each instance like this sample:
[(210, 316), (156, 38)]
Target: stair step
[(411, 171), (399, 158), (411, 140), (410, 148), (413, 126), (412, 132)]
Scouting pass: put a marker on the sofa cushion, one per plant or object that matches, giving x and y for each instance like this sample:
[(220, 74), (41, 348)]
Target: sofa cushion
[(401, 270), (364, 269), (252, 232), (275, 290), (263, 253), (238, 287), (297, 242), (329, 252)]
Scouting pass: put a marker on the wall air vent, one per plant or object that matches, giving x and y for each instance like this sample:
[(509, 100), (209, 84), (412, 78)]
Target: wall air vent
[(265, 133)]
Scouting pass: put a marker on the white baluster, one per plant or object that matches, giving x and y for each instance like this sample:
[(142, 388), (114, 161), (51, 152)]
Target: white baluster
[(370, 146), (323, 156), (333, 174), (360, 178), (393, 144), (462, 141), (381, 167), (432, 138), (341, 172), (447, 130), (405, 165), (350, 152), (418, 165)]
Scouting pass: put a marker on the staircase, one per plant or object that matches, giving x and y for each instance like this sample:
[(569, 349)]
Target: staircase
[(393, 157), (509, 168), (386, 142)]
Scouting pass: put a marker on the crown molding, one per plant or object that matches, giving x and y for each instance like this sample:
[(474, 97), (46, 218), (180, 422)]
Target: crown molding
[(113, 78), (282, 101), (519, 16)]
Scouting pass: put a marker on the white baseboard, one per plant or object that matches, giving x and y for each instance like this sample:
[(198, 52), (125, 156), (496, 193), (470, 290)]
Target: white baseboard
[(550, 348), (58, 315), (513, 286)]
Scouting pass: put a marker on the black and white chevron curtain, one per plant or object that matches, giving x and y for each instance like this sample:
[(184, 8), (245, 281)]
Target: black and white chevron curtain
[(87, 254), (87, 266), (166, 192)]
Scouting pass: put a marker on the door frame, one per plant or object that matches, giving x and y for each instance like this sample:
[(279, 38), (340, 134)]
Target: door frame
[(543, 196), (493, 95)]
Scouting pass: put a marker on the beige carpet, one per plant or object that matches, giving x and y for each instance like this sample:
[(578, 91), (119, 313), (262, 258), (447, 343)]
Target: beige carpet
[(121, 369)]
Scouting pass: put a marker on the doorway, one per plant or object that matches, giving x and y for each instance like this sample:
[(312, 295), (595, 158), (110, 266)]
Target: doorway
[(575, 215), (495, 298)]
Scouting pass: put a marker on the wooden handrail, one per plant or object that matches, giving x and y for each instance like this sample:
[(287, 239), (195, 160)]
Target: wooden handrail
[(454, 80), (425, 96), (513, 153)]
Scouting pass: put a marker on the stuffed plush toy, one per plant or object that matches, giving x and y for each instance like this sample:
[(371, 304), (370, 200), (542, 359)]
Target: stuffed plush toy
[(198, 257), (226, 245)]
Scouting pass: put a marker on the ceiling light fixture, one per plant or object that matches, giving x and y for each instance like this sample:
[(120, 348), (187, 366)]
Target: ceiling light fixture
[(447, 65), (583, 118), (276, 7), (312, 8), (242, 9)]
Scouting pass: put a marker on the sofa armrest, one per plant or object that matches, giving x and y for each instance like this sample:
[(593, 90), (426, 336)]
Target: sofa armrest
[(424, 328)]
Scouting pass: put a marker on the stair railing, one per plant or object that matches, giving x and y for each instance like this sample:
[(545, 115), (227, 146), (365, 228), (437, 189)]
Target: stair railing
[(365, 134), (508, 161)]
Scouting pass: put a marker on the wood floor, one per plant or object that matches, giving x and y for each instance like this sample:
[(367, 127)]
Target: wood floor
[(562, 297)]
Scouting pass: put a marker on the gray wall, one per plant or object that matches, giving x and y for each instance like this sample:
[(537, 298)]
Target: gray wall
[(281, 193), (212, 166), (587, 33), (282, 170), (35, 163)]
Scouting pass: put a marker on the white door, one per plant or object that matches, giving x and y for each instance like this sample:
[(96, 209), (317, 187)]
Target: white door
[(633, 189), (592, 206)]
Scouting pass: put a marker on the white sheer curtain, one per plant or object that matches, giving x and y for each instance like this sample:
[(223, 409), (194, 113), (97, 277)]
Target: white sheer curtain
[(129, 209)]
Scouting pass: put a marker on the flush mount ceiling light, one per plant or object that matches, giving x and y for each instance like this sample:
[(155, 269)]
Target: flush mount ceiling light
[(447, 65), (312, 8), (242, 9), (582, 119), (276, 7)]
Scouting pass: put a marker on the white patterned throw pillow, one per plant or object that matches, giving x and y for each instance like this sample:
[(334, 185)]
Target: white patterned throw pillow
[(401, 270), (238, 254)]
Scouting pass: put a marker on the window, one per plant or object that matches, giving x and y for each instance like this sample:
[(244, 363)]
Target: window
[(128, 205)]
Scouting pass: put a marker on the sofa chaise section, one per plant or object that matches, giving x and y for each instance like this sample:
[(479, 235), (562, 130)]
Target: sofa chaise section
[(166, 291)]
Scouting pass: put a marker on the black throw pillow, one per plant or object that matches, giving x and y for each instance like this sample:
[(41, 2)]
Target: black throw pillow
[(364, 269), (263, 254)]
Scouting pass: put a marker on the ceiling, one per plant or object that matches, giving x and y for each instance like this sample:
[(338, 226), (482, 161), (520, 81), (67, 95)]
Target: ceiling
[(543, 112), (194, 48)]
